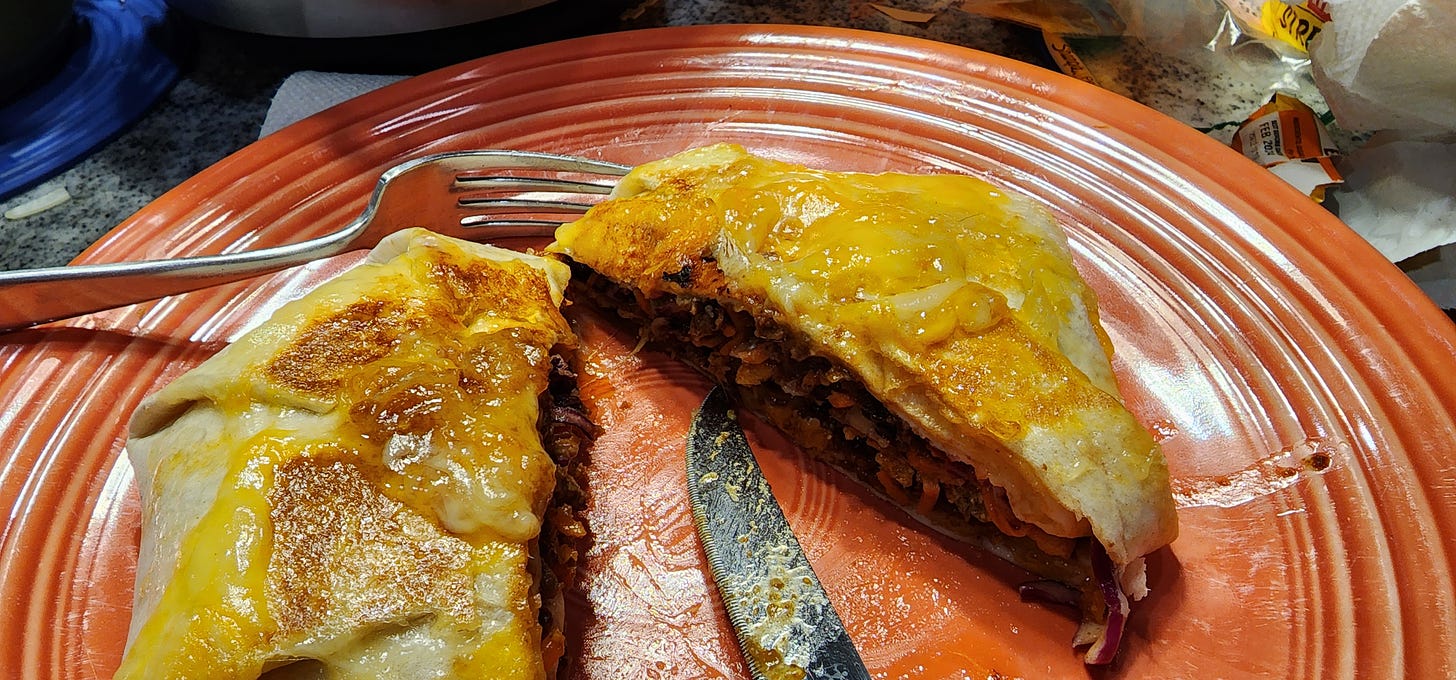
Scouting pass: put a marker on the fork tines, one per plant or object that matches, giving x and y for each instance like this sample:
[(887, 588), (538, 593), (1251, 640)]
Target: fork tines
[(520, 200)]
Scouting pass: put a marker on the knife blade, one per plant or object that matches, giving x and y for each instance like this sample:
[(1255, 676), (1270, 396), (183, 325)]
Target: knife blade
[(784, 621)]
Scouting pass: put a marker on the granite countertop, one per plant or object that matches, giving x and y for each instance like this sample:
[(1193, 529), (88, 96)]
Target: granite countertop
[(223, 97), (234, 87)]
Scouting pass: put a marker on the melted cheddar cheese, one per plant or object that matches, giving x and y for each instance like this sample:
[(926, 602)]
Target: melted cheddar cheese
[(955, 303), (357, 483)]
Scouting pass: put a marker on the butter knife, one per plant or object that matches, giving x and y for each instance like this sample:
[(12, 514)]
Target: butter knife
[(782, 617)]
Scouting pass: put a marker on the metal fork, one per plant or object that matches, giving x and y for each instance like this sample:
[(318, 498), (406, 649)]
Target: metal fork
[(442, 191)]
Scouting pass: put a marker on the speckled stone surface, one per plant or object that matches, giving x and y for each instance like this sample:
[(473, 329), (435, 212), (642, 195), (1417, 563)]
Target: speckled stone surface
[(223, 98), (950, 25), (225, 94), (214, 110)]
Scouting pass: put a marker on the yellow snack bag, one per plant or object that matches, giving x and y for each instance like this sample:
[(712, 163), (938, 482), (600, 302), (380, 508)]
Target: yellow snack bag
[(1295, 23)]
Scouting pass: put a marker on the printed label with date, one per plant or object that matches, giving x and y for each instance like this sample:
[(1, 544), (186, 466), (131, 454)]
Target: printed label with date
[(1286, 137)]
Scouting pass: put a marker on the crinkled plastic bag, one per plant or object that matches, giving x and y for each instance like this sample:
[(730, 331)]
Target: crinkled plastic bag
[(1208, 63)]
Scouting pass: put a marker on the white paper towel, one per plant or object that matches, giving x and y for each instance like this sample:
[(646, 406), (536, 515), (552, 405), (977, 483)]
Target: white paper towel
[(1378, 210), (1437, 277), (308, 92), (1389, 65), (1400, 194)]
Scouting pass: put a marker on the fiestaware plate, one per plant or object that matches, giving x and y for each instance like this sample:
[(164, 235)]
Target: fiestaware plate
[(1301, 388)]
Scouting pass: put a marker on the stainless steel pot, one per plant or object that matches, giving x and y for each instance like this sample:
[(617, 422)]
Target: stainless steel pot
[(347, 18)]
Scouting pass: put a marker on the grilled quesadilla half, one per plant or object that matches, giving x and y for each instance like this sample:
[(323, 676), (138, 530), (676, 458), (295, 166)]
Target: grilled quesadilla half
[(377, 482), (927, 334)]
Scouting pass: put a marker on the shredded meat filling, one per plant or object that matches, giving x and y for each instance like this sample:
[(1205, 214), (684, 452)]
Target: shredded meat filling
[(820, 406), (566, 432)]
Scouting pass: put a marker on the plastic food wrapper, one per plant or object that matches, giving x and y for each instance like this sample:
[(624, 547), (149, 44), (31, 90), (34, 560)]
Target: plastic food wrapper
[(1287, 137), (1311, 89), (1207, 63), (1297, 23)]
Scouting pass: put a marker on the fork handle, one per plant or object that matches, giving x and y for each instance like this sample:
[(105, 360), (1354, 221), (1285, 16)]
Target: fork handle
[(33, 296)]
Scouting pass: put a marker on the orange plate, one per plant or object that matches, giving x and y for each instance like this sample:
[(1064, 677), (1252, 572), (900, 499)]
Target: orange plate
[(1256, 335)]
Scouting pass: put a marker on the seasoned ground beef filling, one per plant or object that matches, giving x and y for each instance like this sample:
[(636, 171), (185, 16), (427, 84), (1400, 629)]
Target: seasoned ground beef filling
[(772, 371), (566, 433)]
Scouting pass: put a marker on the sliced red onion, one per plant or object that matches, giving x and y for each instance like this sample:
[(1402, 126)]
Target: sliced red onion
[(1104, 648), (1051, 592)]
